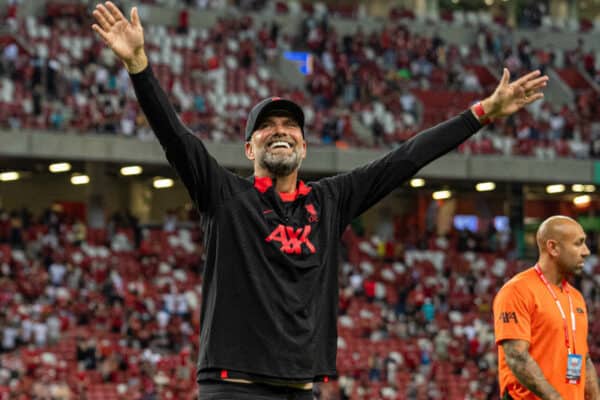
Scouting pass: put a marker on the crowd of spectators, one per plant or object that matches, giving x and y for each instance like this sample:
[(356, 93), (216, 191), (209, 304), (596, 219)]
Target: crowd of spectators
[(85, 307), (88, 311), (546, 130), (366, 89), (385, 76), (58, 76)]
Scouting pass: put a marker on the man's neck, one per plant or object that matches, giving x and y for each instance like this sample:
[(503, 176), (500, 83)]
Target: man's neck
[(286, 184), (283, 184), (551, 272)]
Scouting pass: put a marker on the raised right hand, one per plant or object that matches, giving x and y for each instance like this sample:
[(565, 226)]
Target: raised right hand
[(125, 38)]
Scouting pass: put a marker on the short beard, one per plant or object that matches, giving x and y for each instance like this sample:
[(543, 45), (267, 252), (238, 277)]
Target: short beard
[(279, 165)]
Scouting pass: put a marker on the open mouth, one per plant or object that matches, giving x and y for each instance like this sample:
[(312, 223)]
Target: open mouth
[(279, 144)]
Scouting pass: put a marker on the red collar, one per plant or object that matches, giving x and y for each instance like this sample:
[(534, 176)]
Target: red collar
[(263, 183)]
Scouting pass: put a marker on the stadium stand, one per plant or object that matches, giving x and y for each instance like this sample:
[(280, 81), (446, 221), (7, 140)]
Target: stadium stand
[(80, 316), (56, 67), (88, 311)]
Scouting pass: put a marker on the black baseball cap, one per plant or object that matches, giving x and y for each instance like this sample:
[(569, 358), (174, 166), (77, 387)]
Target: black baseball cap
[(269, 104)]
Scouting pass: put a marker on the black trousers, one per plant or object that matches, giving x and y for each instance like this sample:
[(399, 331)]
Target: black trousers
[(213, 390)]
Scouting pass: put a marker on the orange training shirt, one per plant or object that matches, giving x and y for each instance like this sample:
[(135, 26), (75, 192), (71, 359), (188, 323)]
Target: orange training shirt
[(524, 309)]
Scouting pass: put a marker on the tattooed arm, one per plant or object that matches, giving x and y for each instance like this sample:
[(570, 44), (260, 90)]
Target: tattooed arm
[(527, 371), (592, 391)]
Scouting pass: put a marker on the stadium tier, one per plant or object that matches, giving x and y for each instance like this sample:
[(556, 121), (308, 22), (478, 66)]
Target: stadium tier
[(114, 313), (371, 87)]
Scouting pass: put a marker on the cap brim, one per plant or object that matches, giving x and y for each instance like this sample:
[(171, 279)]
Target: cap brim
[(281, 104)]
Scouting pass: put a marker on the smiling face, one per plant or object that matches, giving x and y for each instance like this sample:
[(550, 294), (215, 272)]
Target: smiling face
[(277, 146)]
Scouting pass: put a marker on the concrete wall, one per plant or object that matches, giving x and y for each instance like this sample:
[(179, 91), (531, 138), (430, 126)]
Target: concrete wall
[(166, 199), (320, 160), (39, 191)]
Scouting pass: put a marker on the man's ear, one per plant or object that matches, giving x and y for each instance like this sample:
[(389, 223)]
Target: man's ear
[(249, 151), (303, 149), (552, 247)]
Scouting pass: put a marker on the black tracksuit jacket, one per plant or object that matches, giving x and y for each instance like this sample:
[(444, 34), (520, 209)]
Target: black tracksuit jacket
[(270, 288)]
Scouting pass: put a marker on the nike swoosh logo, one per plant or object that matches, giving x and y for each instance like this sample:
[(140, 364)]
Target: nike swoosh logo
[(267, 211)]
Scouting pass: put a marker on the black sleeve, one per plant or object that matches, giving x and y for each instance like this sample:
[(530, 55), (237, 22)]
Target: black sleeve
[(206, 181), (361, 188)]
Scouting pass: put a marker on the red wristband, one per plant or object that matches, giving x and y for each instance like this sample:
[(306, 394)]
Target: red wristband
[(480, 112)]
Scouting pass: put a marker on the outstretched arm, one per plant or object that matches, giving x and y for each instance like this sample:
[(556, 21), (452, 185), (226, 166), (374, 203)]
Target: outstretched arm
[(126, 40), (366, 185), (526, 370), (200, 172), (592, 391), (506, 99)]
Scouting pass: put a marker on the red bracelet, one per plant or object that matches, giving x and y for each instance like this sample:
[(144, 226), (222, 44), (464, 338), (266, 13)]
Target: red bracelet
[(480, 112)]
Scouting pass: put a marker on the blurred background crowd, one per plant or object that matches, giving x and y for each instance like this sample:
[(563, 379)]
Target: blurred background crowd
[(111, 310)]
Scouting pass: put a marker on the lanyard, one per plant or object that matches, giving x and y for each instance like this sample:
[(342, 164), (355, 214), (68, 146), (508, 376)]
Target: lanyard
[(562, 313)]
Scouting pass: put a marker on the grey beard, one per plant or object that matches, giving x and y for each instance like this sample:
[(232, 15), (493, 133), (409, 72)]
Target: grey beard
[(280, 166)]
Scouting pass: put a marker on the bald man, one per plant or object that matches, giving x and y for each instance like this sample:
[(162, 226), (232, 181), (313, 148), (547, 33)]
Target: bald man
[(541, 325)]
